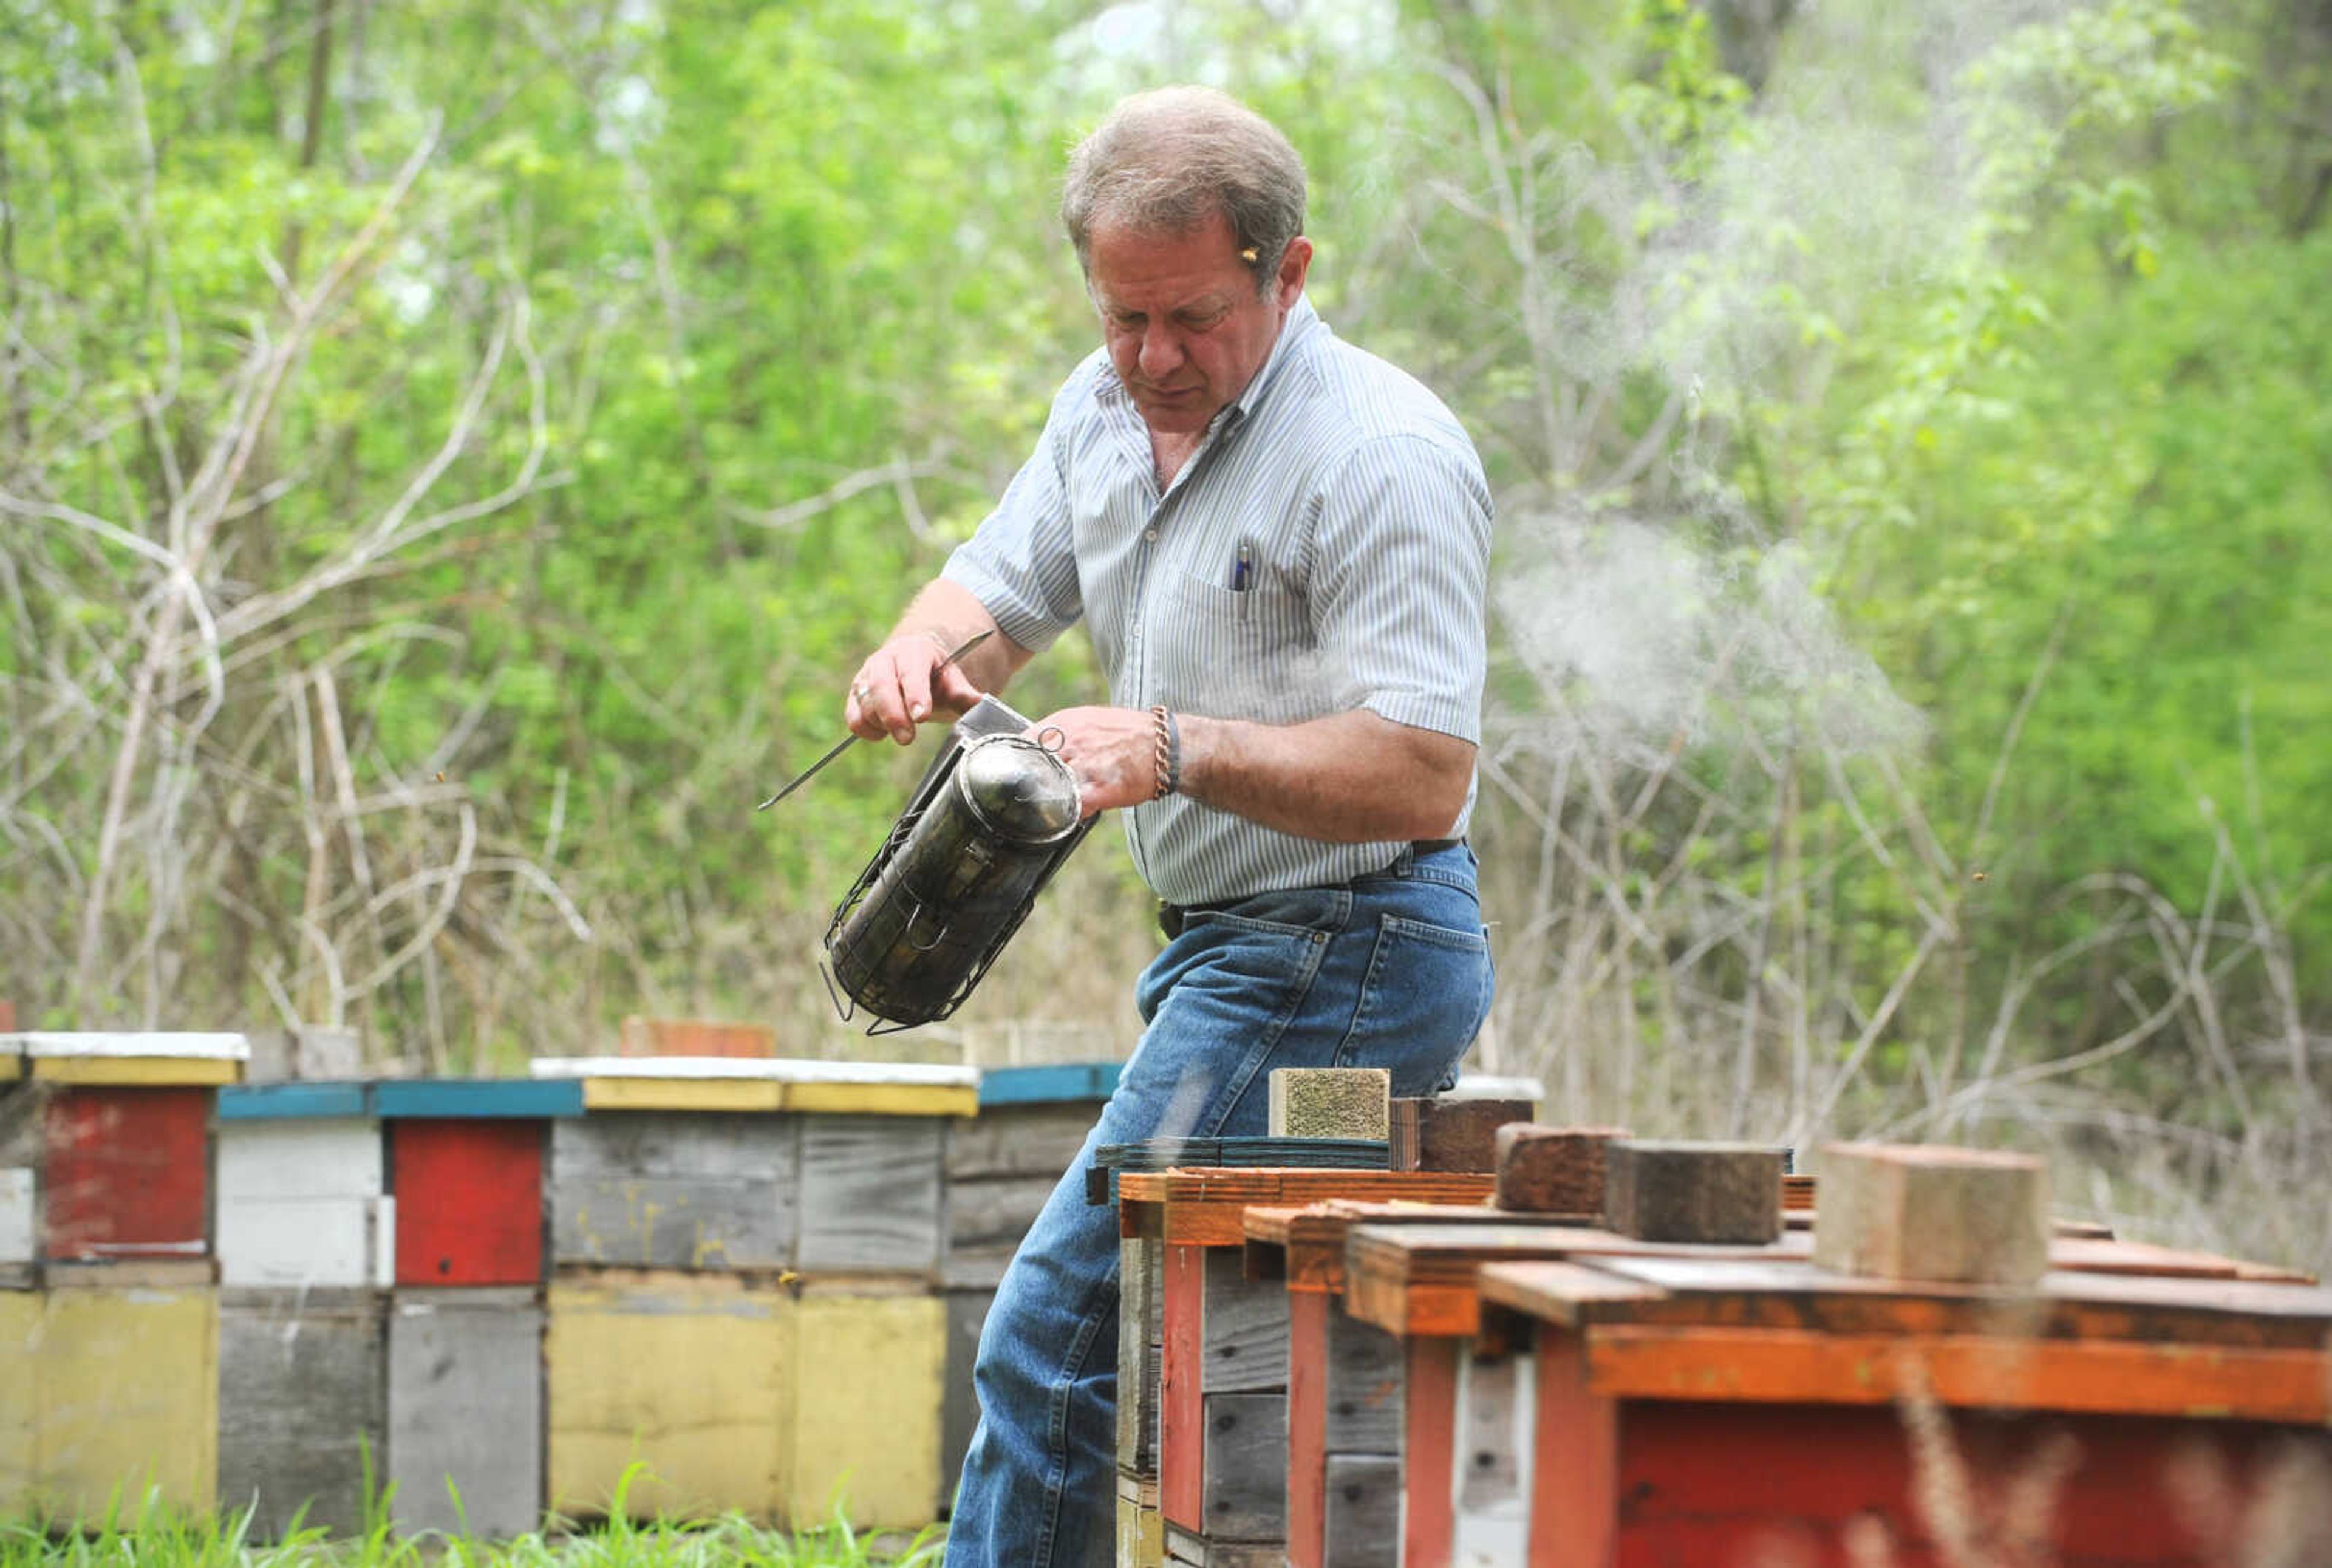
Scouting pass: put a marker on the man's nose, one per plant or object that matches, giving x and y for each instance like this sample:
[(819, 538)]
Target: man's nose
[(1161, 351)]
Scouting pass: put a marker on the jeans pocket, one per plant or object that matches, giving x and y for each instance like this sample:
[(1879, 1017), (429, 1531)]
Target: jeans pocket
[(1424, 998)]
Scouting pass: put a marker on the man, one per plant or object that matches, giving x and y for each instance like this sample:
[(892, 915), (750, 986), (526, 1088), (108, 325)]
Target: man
[(1280, 546)]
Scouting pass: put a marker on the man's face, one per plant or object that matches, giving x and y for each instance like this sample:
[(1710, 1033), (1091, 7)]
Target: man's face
[(1185, 326)]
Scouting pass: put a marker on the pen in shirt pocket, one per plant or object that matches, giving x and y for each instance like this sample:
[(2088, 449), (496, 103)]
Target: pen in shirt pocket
[(1242, 572)]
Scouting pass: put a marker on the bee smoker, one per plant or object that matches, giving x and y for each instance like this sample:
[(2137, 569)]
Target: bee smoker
[(995, 815)]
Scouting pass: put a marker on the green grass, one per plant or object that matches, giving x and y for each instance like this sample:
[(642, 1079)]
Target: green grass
[(149, 1535)]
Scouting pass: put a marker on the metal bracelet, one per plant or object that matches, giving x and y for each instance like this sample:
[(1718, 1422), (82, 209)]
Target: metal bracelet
[(1162, 728)]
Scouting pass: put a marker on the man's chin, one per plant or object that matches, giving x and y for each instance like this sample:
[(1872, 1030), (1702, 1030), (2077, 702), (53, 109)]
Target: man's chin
[(1174, 415)]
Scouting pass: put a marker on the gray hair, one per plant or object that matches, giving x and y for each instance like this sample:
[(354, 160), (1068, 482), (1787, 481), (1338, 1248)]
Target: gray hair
[(1167, 160)]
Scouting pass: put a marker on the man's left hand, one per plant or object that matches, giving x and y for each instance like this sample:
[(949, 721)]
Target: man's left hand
[(1112, 751)]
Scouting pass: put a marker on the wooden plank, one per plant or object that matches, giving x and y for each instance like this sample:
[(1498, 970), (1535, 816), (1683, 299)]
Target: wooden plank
[(701, 1095), (128, 1171), (143, 1072), (522, 1098), (1014, 1139), (1926, 1211), (1330, 1101), (147, 1059), (1782, 1292), (1141, 1533), (1307, 1426), (862, 1408), (304, 1101), (470, 1192), (1208, 1207), (679, 1372), (1361, 1521), (871, 1194), (966, 1315), (21, 1312), (1574, 1508), (1693, 1192), (465, 1411), (1051, 1083), (19, 1223), (1556, 1292), (1366, 1371), (1141, 1348), (2122, 1491), (128, 1398), (1245, 1489), (301, 1408), (991, 1214), (1244, 1338), (2203, 1383), (1182, 1415), (1423, 1278), (1428, 1451), (1191, 1549), (1496, 1422), (665, 1190), (883, 1099), (297, 1200)]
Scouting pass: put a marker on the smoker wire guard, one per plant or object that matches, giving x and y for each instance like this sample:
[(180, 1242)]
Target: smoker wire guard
[(988, 717)]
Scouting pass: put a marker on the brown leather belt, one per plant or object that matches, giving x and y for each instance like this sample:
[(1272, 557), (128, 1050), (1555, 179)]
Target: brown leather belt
[(1173, 917)]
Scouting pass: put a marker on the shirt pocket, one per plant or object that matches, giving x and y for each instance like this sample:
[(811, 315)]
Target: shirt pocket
[(1247, 653)]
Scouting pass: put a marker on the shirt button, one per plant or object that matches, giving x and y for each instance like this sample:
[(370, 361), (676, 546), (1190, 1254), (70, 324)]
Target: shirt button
[(1151, 534)]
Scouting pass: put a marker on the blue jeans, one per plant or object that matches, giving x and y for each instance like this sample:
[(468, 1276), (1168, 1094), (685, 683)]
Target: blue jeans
[(1391, 970)]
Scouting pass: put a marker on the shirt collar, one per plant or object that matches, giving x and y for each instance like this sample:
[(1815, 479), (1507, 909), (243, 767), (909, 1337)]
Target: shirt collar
[(1302, 319)]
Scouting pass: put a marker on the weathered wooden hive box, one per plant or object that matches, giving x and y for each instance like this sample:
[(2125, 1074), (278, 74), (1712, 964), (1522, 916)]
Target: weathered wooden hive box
[(466, 1161), (745, 1287), (304, 1230), (108, 1303)]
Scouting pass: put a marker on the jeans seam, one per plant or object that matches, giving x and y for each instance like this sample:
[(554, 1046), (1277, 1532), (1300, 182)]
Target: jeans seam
[(1237, 1083), (1056, 1424)]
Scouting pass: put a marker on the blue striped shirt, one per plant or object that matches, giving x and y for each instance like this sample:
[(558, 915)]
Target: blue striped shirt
[(1365, 518)]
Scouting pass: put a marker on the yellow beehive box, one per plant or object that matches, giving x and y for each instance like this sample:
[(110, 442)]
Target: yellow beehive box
[(863, 1387), (675, 1374), (20, 1343), (126, 1398)]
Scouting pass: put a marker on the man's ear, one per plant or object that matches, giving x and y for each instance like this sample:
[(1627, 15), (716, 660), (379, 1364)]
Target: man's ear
[(1294, 264)]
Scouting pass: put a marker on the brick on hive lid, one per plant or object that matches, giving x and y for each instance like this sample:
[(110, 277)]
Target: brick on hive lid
[(1544, 1169), (1448, 1132), (1331, 1102), (1706, 1192), (642, 1036), (1932, 1212)]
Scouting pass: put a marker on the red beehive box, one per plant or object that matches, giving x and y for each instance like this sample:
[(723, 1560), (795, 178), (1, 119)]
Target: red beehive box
[(465, 1165), (128, 1171)]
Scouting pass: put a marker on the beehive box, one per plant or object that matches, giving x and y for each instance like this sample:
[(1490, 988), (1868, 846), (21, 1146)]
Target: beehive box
[(299, 1406), (125, 1382), (467, 1158), (861, 1377), (118, 1128), (675, 1372), (465, 1407), (300, 1188)]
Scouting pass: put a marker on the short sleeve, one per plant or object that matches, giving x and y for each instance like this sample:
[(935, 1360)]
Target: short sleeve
[(1399, 581), (1020, 563)]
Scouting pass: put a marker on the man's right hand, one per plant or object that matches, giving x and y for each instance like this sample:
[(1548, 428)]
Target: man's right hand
[(901, 685)]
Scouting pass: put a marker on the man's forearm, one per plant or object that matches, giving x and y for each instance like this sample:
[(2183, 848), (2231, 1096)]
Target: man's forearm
[(949, 615), (1350, 778)]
